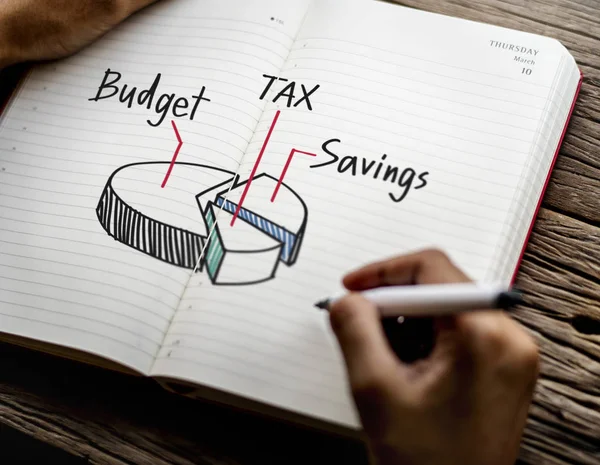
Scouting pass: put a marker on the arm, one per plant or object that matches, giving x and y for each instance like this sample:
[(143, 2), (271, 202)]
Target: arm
[(466, 403), (48, 29)]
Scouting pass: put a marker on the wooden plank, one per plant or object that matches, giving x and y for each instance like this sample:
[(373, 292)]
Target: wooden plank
[(111, 418), (569, 190), (569, 246), (575, 24), (582, 140), (560, 278)]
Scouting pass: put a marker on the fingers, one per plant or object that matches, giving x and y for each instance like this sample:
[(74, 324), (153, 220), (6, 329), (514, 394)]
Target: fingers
[(377, 379), (489, 341), (484, 337), (479, 348), (370, 362), (495, 340), (424, 267)]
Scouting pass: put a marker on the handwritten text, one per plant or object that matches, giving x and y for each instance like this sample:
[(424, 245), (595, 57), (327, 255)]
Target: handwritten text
[(406, 179), (289, 92), (165, 103)]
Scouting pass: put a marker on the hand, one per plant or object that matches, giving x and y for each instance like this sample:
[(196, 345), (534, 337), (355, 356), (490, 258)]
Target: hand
[(466, 403), (47, 29)]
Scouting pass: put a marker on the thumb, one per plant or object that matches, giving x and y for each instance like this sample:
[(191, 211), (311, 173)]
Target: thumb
[(372, 366)]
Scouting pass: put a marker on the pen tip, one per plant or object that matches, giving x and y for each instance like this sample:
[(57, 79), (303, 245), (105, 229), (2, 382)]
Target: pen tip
[(323, 304), (511, 298)]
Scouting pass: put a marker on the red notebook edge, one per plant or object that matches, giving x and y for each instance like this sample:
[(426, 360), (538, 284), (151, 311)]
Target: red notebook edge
[(541, 198)]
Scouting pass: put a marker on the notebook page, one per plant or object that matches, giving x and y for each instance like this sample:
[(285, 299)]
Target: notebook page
[(64, 279), (540, 165), (419, 139)]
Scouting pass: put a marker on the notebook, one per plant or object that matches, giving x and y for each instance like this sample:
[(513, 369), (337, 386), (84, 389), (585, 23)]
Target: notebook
[(176, 197)]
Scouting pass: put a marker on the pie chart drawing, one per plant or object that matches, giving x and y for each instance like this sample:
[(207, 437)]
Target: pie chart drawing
[(197, 214)]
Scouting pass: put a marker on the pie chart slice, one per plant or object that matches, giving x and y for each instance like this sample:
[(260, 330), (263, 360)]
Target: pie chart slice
[(283, 219), (161, 222), (241, 254), (173, 224)]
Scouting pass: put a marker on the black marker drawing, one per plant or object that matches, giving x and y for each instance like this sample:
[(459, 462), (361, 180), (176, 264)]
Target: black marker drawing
[(179, 107), (405, 178), (289, 92), (177, 232)]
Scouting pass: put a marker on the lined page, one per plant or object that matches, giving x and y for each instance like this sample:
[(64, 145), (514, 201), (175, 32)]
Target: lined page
[(64, 279), (538, 169), (451, 118)]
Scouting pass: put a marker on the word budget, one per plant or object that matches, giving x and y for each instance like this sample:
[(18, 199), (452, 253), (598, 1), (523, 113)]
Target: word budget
[(166, 103)]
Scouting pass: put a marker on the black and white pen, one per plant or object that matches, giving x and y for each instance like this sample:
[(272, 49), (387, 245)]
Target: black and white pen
[(436, 299)]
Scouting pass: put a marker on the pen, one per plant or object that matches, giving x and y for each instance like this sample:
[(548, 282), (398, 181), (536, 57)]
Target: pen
[(436, 299)]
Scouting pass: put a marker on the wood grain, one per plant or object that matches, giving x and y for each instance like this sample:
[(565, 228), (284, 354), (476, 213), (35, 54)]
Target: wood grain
[(105, 416), (112, 418)]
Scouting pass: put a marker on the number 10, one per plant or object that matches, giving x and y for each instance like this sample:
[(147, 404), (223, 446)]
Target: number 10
[(526, 71)]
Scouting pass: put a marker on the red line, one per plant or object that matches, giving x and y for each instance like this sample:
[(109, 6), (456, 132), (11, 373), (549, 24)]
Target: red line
[(256, 163), (285, 168), (548, 175), (164, 183)]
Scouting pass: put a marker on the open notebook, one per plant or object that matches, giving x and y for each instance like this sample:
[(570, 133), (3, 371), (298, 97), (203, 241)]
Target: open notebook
[(316, 136)]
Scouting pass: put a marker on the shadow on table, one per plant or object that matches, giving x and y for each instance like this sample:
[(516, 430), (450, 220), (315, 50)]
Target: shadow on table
[(110, 416), (17, 448)]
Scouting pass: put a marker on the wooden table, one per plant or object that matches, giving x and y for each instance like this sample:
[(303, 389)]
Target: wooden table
[(110, 418)]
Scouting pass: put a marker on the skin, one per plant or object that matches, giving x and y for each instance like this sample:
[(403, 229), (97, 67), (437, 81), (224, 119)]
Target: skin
[(33, 30), (465, 403)]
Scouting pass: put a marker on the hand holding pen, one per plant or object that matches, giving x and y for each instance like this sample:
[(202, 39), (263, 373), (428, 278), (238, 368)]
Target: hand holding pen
[(465, 401)]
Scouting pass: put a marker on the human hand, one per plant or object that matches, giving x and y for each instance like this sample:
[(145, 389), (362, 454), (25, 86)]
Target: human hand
[(47, 29), (466, 403)]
